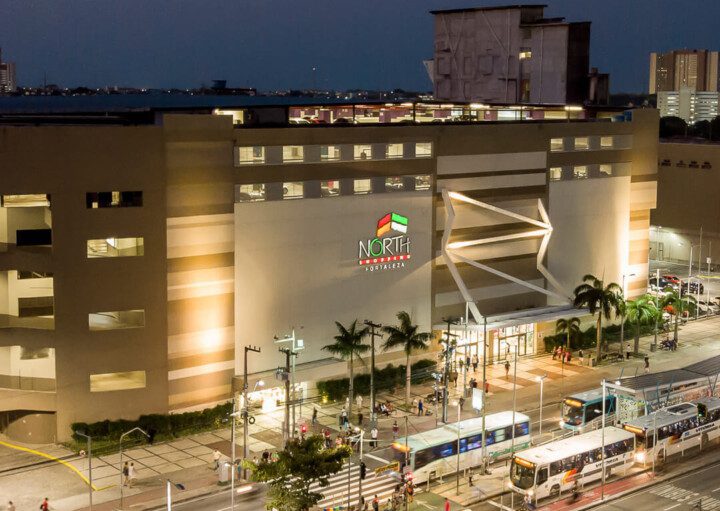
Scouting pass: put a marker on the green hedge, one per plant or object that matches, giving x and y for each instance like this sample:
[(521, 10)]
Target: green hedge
[(587, 337), (388, 378)]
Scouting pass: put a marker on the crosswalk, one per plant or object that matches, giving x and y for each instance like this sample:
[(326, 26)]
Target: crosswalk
[(336, 493), (681, 495)]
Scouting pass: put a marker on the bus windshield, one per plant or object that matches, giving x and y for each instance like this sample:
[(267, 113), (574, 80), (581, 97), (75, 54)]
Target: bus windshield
[(522, 474), (572, 412)]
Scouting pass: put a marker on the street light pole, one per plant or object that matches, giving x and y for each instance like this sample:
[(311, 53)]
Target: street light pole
[(121, 459), (168, 486), (286, 423), (89, 456), (484, 395), (295, 345), (446, 378), (245, 412), (457, 467), (373, 326), (541, 379), (622, 317)]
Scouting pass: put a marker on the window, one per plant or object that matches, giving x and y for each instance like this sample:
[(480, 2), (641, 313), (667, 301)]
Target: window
[(363, 152), (694, 165), (293, 153), (556, 144), (423, 182), (362, 186), (580, 172), (107, 382), (116, 320), (252, 155), (706, 165), (606, 169), (525, 54), (665, 163), (394, 151), (555, 173), (606, 142), (329, 188), (681, 164), (95, 200), (293, 190), (582, 143), (329, 153), (423, 150), (22, 275), (116, 247), (394, 184), (250, 193), (25, 201)]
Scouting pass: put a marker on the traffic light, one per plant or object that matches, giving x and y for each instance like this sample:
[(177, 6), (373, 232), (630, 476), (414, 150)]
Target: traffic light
[(303, 429), (363, 470)]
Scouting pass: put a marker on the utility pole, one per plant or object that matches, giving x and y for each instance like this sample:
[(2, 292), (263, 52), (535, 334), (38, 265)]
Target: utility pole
[(245, 412), (295, 345), (373, 326), (286, 376), (484, 395), (448, 353)]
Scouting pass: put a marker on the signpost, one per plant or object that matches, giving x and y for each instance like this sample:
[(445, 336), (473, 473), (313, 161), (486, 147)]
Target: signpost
[(390, 467)]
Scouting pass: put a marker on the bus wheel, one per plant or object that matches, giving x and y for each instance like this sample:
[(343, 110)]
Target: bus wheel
[(554, 491)]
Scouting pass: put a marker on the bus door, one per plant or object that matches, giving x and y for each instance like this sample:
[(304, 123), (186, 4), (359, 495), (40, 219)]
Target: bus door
[(542, 481)]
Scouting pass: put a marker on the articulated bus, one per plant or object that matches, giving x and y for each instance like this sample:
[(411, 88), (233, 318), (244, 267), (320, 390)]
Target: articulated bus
[(546, 470), (581, 409), (674, 429), (436, 450)]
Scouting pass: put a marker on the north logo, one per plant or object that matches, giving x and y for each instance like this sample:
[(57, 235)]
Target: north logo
[(391, 246)]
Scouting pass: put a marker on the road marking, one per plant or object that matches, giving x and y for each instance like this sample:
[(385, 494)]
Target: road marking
[(671, 507), (377, 458)]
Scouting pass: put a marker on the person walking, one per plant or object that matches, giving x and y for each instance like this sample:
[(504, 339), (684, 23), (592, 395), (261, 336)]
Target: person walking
[(507, 369), (467, 362), (216, 459), (131, 474), (647, 364), (395, 430), (475, 362), (358, 402), (447, 504), (373, 437), (45, 506), (581, 357), (376, 503), (326, 434), (126, 474), (314, 415), (10, 506), (360, 419), (420, 407), (627, 351)]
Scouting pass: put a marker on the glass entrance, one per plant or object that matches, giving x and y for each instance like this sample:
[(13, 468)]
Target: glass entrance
[(521, 335)]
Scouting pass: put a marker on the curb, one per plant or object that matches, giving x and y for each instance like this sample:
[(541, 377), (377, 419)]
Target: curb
[(181, 498)]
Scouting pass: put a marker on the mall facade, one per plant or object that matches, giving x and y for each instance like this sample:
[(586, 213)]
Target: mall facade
[(141, 251)]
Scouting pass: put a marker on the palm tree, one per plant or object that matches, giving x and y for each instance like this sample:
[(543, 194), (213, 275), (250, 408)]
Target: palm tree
[(593, 295), (570, 327), (679, 303), (348, 345), (640, 311), (406, 335)]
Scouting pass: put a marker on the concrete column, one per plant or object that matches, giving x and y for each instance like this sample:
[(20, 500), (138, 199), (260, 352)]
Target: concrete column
[(408, 183), (273, 191), (347, 186), (311, 153), (312, 189), (377, 184), (273, 155)]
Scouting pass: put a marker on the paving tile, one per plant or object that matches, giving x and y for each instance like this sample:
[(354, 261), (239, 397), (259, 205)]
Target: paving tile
[(200, 450), (160, 449), (206, 438), (224, 434), (105, 471), (102, 483), (112, 459), (152, 462), (167, 468), (185, 443), (176, 456), (191, 462), (137, 454)]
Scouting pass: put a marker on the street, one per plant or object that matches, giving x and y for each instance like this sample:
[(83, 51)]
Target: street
[(221, 502)]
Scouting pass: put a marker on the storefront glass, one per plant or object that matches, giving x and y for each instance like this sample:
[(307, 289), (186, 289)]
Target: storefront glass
[(521, 335)]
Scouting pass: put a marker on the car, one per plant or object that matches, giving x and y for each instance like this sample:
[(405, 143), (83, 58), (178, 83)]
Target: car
[(663, 283), (672, 279), (693, 287)]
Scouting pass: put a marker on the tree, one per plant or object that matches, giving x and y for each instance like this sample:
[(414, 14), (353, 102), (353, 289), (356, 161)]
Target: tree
[(348, 345), (570, 327), (676, 304), (406, 335), (640, 311), (672, 126), (302, 463), (594, 296)]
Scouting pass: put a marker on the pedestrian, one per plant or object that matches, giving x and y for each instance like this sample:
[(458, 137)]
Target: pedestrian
[(471, 483), (581, 357), (216, 459), (266, 455), (347, 403), (45, 506), (507, 369), (420, 407), (395, 430), (461, 363), (467, 362), (10, 506), (415, 405), (362, 504), (131, 474), (568, 356), (461, 402), (647, 364), (410, 491), (360, 419), (126, 474), (314, 414), (447, 504), (326, 433), (627, 351), (358, 401), (373, 437), (376, 503), (475, 362)]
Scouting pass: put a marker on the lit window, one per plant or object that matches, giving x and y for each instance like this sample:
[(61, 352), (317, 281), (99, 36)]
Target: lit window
[(116, 320), (250, 193), (582, 143), (556, 144), (108, 382), (363, 152), (606, 142), (25, 201), (606, 169), (115, 247), (329, 152), (394, 184), (423, 150), (362, 186), (293, 190), (422, 182), (580, 172), (394, 151), (329, 188), (95, 200), (525, 55), (254, 155), (555, 173), (292, 153)]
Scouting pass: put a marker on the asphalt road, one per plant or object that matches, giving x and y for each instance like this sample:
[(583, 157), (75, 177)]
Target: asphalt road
[(679, 494), (221, 502)]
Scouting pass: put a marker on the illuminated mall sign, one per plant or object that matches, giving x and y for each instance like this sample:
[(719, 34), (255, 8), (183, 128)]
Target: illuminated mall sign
[(390, 247)]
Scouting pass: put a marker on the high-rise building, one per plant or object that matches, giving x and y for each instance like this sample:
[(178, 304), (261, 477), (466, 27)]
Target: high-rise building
[(691, 106), (695, 70), (7, 76), (512, 54)]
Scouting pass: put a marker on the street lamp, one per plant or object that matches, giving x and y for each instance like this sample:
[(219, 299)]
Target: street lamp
[(296, 345), (457, 467), (244, 413), (169, 485), (121, 458), (541, 379), (89, 456), (245, 410), (622, 322), (373, 326)]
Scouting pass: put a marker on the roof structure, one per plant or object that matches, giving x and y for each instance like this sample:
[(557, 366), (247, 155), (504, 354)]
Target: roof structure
[(493, 8)]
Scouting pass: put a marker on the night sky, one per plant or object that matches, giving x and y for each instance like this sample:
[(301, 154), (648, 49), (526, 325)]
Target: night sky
[(273, 44)]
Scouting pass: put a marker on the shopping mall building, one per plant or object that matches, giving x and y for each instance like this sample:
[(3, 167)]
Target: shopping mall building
[(141, 250)]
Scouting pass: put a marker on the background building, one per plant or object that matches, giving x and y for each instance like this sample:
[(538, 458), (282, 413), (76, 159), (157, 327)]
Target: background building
[(8, 82), (512, 54), (139, 251), (689, 105)]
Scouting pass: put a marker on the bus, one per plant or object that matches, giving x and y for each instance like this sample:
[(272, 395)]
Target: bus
[(435, 451), (674, 429), (582, 409), (549, 469)]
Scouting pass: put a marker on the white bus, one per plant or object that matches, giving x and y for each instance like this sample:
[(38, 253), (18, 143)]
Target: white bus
[(435, 451), (546, 470), (674, 429)]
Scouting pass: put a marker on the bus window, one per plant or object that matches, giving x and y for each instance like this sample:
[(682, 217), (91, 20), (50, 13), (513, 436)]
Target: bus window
[(522, 429), (542, 475), (422, 458), (474, 442), (556, 467), (499, 435), (463, 444), (573, 412), (522, 474), (444, 450)]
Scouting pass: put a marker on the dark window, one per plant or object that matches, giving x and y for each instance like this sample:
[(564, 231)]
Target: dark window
[(95, 200), (35, 306), (22, 275), (422, 458), (33, 237), (706, 165), (542, 475)]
